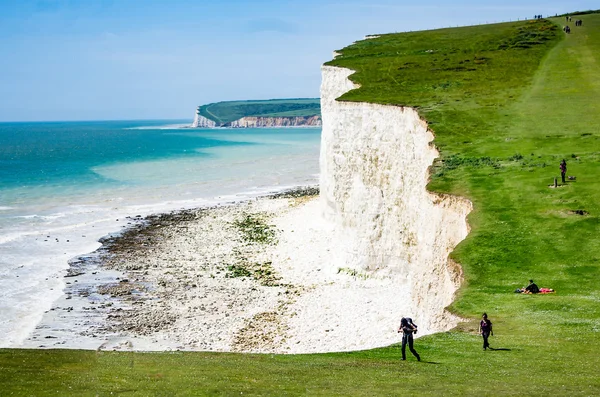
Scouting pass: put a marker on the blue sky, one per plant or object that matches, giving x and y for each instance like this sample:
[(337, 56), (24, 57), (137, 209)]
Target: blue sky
[(148, 59)]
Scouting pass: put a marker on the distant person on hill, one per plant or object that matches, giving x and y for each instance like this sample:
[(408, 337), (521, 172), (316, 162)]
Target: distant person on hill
[(485, 329), (532, 288), (563, 170), (407, 327)]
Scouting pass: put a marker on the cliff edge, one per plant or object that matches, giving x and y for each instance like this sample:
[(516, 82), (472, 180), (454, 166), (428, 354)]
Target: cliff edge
[(375, 163)]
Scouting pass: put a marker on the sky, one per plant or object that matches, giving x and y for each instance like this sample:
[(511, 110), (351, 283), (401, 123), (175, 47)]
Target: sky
[(150, 59)]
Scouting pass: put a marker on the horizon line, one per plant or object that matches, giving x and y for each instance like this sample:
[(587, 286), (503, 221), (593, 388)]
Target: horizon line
[(86, 120)]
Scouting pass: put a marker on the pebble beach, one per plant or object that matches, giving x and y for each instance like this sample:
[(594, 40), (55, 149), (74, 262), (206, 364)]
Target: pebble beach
[(253, 276)]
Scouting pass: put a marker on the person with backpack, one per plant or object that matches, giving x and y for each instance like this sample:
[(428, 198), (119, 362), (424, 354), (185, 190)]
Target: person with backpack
[(485, 329), (563, 170), (408, 328)]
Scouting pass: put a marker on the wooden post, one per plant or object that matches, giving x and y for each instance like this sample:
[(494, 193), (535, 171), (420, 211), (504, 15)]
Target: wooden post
[(555, 182)]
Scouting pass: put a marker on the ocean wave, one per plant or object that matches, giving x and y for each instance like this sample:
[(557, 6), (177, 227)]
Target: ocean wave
[(43, 217), (3, 208), (160, 127)]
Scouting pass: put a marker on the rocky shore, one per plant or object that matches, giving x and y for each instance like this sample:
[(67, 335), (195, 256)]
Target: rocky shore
[(198, 279), (257, 276), (201, 278)]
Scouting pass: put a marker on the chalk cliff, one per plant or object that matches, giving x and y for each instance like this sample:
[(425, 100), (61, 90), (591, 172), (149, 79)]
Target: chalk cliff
[(202, 122), (375, 163), (258, 122), (252, 122)]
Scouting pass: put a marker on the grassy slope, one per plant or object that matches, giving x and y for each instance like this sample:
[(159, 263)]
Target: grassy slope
[(521, 229), (225, 112), (577, 13)]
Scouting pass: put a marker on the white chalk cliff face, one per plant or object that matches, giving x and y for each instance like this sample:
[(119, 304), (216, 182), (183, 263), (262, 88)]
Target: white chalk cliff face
[(202, 122), (375, 163), (259, 122)]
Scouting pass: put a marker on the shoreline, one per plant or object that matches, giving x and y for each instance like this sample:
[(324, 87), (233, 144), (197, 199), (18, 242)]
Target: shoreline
[(38, 258), (253, 276), (98, 288)]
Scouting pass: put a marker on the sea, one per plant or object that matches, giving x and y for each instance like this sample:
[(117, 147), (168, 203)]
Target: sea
[(64, 185)]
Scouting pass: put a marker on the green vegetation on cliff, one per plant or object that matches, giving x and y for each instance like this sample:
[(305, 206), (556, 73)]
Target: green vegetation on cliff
[(507, 102), (226, 112)]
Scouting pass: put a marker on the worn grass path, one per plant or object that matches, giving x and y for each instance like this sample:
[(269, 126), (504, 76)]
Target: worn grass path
[(502, 126)]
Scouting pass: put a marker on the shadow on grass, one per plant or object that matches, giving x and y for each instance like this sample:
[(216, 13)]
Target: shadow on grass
[(504, 349)]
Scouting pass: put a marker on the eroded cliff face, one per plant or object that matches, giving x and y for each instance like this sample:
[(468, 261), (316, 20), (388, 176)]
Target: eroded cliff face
[(375, 163), (254, 122), (258, 122), (202, 122)]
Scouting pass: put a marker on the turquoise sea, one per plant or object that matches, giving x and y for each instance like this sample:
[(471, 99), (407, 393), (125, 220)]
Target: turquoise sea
[(63, 185)]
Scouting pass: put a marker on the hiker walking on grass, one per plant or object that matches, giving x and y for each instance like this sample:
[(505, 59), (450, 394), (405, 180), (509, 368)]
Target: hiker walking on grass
[(563, 170), (408, 328), (485, 329)]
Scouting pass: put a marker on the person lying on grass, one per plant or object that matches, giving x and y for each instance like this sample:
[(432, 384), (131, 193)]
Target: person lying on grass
[(532, 288)]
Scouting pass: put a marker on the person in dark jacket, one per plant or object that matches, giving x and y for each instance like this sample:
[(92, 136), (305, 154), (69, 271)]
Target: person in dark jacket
[(532, 288), (408, 328), (485, 329), (563, 170)]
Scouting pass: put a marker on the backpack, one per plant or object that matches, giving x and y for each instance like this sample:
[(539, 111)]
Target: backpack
[(408, 321)]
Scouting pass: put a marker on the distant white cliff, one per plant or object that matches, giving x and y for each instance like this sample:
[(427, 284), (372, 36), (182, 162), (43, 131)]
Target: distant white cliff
[(257, 122), (202, 122), (298, 121)]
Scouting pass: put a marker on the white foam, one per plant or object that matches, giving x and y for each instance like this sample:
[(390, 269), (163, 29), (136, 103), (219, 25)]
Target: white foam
[(49, 225), (160, 127), (41, 217)]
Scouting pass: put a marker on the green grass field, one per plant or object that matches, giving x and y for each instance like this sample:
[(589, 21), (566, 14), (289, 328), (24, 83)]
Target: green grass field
[(507, 102), (226, 112)]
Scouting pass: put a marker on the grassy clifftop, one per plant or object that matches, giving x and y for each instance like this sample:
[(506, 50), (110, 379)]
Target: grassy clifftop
[(226, 112), (507, 102), (456, 78)]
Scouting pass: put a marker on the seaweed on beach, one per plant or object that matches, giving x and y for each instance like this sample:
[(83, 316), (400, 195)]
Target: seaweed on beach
[(234, 271), (142, 236), (303, 191), (255, 230), (261, 272)]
